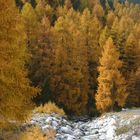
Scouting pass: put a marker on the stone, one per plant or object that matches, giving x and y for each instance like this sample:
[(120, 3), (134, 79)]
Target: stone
[(135, 137), (70, 137), (45, 127), (102, 128), (111, 132), (90, 137), (66, 130), (54, 124), (77, 132), (102, 137), (48, 120)]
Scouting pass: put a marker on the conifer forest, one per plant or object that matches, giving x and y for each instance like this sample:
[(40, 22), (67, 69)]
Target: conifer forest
[(82, 55)]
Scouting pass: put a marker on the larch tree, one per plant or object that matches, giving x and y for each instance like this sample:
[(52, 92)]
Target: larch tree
[(69, 79), (31, 24), (40, 9), (112, 86), (110, 18), (104, 35), (89, 30), (132, 63), (98, 10), (132, 55), (16, 93), (31, 29), (133, 99), (68, 4), (45, 61)]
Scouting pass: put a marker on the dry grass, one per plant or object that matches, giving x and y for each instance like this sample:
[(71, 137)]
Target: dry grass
[(9, 131), (123, 129), (32, 133), (126, 128), (9, 135), (50, 108), (35, 133)]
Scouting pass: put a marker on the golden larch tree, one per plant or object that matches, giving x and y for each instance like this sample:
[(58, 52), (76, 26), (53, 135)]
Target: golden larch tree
[(112, 86), (89, 36), (133, 99), (69, 79), (15, 91), (32, 33)]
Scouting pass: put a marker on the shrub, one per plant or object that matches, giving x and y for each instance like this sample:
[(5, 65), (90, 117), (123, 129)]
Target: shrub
[(50, 108), (35, 133)]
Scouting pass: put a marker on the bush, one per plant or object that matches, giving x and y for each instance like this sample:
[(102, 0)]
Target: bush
[(35, 133), (50, 108)]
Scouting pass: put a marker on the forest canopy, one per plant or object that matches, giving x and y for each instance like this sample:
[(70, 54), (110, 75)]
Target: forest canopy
[(84, 55)]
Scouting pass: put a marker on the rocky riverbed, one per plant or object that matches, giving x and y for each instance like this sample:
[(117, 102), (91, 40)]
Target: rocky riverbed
[(124, 125)]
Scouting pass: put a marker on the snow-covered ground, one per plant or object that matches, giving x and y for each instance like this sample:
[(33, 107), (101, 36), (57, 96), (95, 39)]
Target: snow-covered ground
[(124, 125)]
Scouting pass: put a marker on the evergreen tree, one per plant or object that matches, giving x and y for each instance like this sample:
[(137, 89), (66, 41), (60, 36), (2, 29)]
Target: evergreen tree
[(112, 86), (16, 93), (69, 79), (98, 11), (132, 55), (40, 9), (31, 29), (83, 4), (45, 61), (133, 99), (68, 4), (107, 6), (110, 18), (104, 35), (89, 40)]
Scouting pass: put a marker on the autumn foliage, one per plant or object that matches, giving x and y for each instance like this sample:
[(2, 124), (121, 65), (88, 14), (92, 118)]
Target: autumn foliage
[(16, 93), (112, 86), (83, 55)]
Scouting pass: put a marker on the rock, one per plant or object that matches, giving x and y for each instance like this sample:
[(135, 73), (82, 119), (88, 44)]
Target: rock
[(100, 122), (111, 132), (54, 124), (112, 121), (102, 137), (70, 137), (102, 128), (135, 138), (45, 127), (94, 131), (77, 132), (90, 137), (66, 130), (48, 120), (124, 109)]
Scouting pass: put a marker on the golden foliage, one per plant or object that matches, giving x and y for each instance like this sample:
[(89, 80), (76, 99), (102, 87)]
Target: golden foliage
[(133, 99), (15, 91), (69, 81), (50, 108), (35, 133), (112, 86)]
